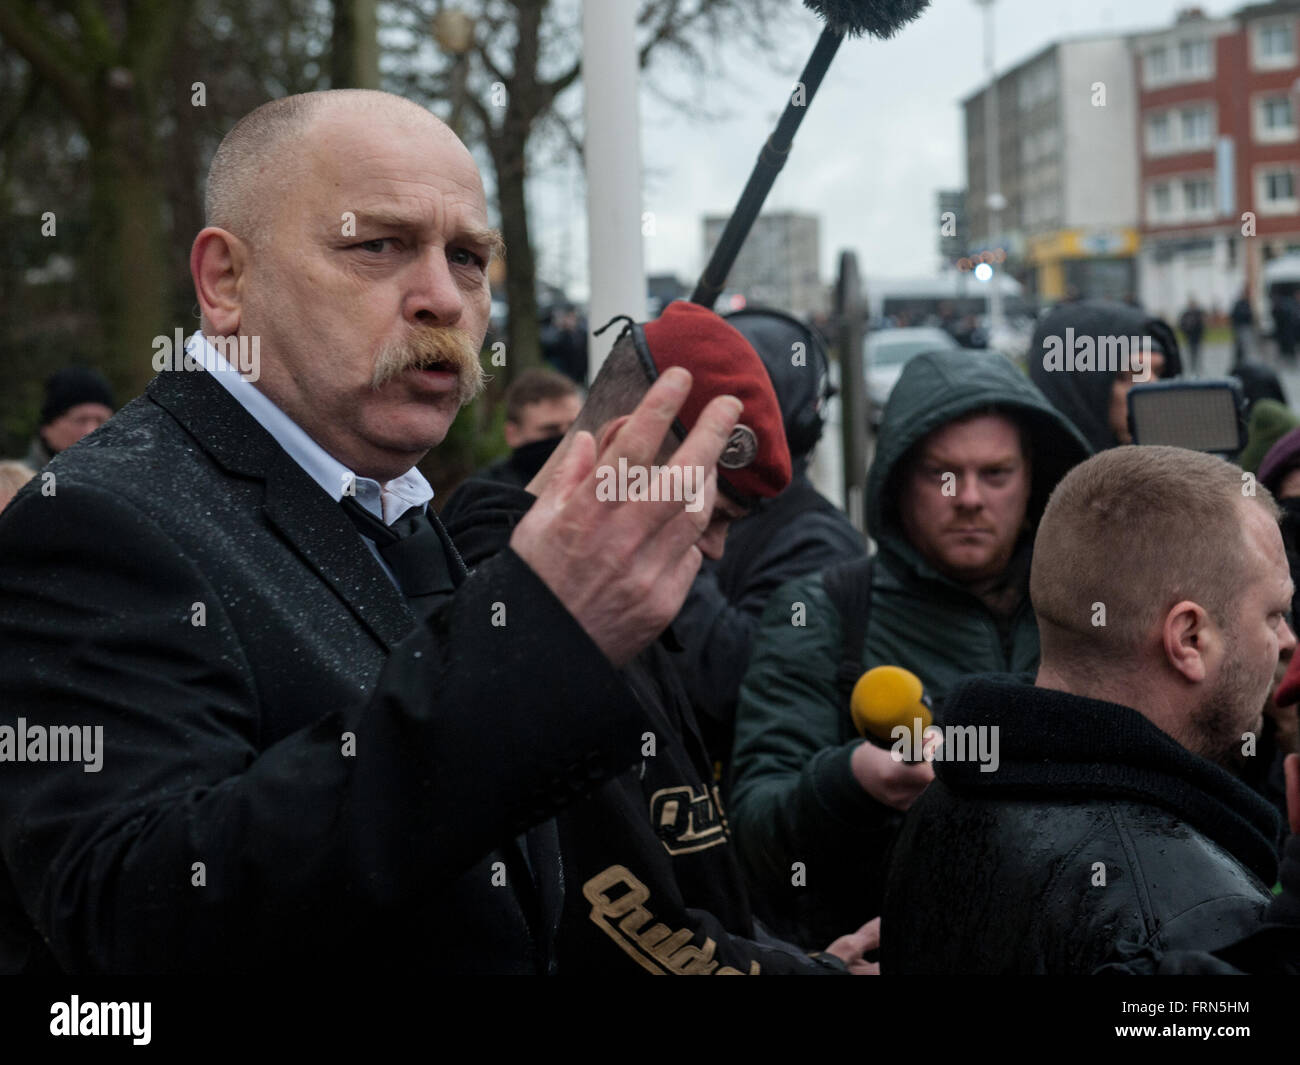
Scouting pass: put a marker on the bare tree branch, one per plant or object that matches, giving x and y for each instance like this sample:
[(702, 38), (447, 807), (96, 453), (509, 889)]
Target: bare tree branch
[(29, 95), (553, 88), (54, 59)]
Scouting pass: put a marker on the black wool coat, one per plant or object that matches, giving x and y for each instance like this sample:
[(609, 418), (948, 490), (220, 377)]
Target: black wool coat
[(294, 773)]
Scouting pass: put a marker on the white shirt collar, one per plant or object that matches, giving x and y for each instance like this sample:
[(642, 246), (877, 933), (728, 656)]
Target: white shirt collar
[(387, 502)]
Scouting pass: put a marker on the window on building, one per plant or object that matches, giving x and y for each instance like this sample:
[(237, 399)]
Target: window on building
[(1197, 132), (1198, 198), (1273, 43), (1275, 189), (1156, 64), (1194, 59), (1029, 150), (1024, 92), (1161, 202), (1274, 118), (1279, 186), (1036, 85), (1159, 133)]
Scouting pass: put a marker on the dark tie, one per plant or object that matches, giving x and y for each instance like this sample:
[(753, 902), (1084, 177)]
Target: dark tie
[(426, 563), (428, 567)]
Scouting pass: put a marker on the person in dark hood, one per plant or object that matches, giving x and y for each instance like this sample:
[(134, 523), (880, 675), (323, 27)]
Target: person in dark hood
[(541, 405), (1095, 397), (798, 532), (969, 451), (1258, 382)]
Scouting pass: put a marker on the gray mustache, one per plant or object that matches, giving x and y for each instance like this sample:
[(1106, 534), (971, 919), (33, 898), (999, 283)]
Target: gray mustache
[(448, 346)]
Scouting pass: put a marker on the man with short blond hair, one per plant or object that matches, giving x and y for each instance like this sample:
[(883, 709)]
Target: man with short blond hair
[(1114, 820), (1130, 511)]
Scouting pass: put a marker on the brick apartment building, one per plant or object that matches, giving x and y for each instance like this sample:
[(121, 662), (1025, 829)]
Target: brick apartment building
[(1219, 151)]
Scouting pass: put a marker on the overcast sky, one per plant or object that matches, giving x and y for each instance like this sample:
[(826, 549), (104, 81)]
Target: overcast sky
[(883, 134)]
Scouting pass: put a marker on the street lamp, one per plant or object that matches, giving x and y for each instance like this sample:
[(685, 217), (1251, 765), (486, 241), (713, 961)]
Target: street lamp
[(996, 202), (453, 30)]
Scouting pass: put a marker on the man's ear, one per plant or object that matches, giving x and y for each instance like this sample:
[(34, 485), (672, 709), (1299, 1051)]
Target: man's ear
[(217, 263), (1191, 643), (608, 432), (512, 435)]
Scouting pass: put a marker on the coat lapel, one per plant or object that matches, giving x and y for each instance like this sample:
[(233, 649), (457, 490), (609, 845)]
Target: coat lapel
[(310, 522)]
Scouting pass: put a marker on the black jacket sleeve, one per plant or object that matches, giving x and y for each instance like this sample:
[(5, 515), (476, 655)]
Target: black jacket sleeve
[(717, 626), (196, 845), (1272, 950)]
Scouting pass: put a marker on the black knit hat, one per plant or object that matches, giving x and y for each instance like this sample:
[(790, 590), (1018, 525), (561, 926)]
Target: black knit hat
[(73, 385)]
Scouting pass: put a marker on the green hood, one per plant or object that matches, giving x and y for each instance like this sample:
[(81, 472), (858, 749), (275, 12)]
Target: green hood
[(934, 389)]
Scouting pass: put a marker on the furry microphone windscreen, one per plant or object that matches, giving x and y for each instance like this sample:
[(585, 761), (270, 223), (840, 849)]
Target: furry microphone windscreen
[(880, 18)]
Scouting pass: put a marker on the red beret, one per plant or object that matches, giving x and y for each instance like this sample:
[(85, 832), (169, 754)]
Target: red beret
[(756, 461)]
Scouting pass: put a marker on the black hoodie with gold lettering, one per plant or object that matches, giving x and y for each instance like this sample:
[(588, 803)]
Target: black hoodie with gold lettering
[(650, 880)]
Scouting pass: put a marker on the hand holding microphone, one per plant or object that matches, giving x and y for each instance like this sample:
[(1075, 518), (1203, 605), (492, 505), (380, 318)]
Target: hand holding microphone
[(889, 703)]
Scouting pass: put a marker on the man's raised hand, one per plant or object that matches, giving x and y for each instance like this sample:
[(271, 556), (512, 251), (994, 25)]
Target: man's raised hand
[(622, 568)]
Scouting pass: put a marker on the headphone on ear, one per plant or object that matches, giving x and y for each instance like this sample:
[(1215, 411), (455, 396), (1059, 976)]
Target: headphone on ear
[(802, 387)]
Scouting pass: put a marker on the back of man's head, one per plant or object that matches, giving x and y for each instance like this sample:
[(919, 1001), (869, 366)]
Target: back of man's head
[(618, 387), (1135, 530)]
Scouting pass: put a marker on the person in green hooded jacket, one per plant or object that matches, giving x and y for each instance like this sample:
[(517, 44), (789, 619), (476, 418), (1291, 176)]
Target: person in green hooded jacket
[(968, 452)]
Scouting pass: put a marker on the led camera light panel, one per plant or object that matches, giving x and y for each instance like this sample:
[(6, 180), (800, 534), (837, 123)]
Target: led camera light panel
[(1200, 417)]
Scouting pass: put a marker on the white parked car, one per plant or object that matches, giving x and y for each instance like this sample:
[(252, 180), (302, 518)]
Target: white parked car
[(886, 352)]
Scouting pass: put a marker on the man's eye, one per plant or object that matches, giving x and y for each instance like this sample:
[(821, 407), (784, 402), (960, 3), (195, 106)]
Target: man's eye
[(374, 246), (465, 257)]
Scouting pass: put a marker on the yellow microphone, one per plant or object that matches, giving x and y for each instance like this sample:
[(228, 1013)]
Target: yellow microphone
[(888, 697)]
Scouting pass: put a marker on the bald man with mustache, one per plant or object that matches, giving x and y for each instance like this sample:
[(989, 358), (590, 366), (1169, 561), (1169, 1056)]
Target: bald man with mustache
[(325, 745)]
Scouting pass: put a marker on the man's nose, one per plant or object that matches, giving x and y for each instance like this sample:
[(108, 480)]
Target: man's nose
[(968, 490), (1286, 639), (433, 297)]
